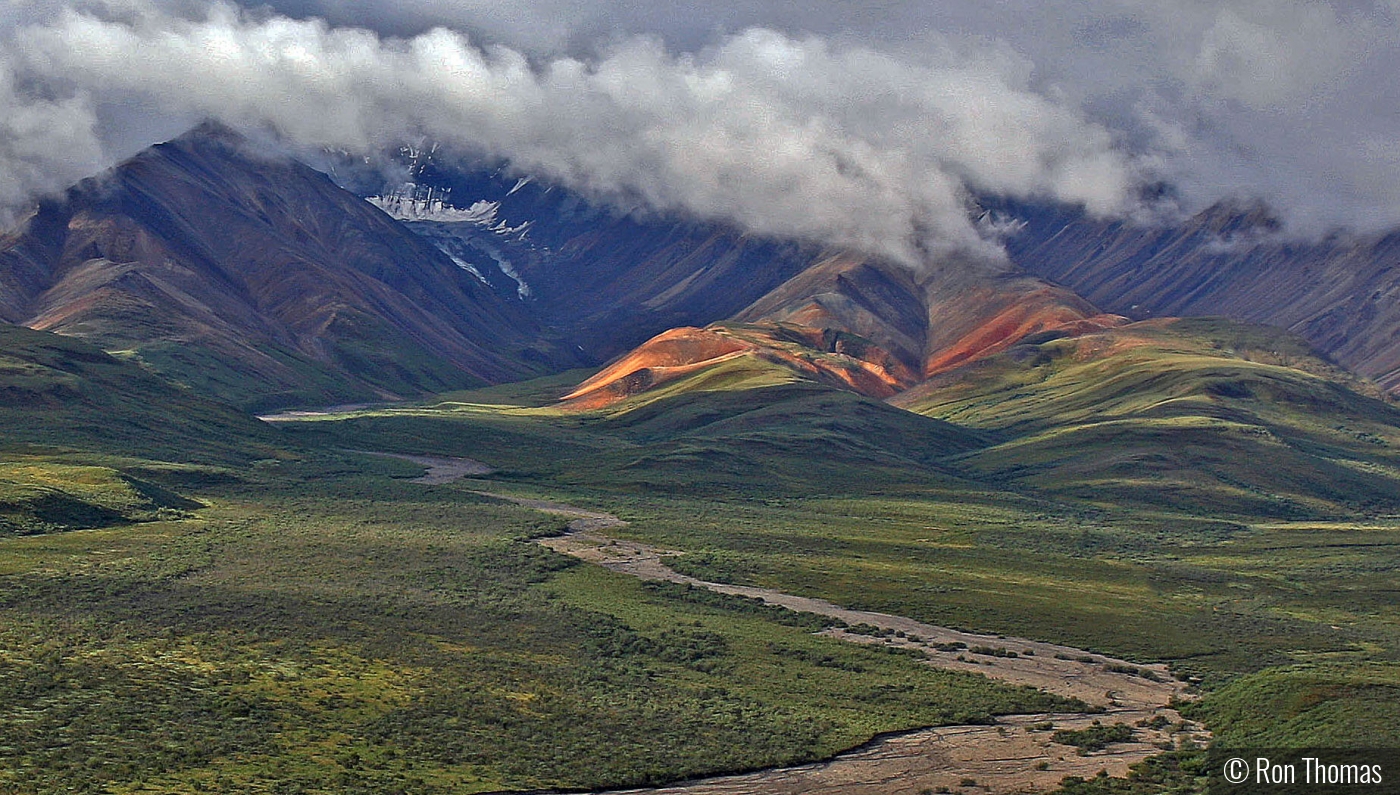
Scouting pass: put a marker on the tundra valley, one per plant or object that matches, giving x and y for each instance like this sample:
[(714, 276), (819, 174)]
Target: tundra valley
[(418, 468)]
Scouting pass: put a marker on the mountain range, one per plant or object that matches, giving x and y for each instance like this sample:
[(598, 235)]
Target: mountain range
[(231, 270), (1234, 260)]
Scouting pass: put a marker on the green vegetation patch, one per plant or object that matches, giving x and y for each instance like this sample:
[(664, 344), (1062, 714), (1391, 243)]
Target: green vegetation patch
[(1173, 773), (1312, 706), (60, 392), (328, 632), (851, 691), (39, 496), (1232, 419), (1214, 599), (1095, 738)]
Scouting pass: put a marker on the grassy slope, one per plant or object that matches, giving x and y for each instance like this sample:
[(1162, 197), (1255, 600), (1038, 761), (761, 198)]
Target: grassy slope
[(41, 496), (743, 428), (1220, 417), (62, 393), (89, 439), (210, 372), (746, 426), (367, 360), (325, 631), (1320, 706)]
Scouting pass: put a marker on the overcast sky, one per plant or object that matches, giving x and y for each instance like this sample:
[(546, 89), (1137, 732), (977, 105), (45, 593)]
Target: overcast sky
[(858, 122)]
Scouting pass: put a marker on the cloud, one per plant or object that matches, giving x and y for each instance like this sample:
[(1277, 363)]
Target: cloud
[(782, 135), (46, 144), (1290, 102), (824, 120)]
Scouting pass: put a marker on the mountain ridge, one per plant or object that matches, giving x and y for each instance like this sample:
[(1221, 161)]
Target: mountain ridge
[(261, 265), (863, 324), (216, 264), (1341, 293)]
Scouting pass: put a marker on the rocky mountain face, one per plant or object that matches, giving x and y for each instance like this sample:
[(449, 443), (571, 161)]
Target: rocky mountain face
[(824, 355), (601, 280), (255, 278), (608, 279), (1342, 294), (947, 312), (243, 273)]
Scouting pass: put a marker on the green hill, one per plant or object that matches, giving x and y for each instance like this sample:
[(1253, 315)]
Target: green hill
[(41, 496), (62, 394), (88, 438), (749, 424), (741, 426), (1222, 416)]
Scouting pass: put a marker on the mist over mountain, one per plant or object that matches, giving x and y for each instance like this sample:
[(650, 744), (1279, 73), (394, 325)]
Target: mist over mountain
[(830, 123), (613, 277), (603, 278), (225, 264)]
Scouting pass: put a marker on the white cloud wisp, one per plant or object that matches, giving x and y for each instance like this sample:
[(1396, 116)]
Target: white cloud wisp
[(824, 120), (781, 135)]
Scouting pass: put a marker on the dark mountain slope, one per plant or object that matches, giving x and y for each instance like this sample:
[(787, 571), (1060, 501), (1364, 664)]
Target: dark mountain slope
[(256, 278), (1341, 294), (599, 279)]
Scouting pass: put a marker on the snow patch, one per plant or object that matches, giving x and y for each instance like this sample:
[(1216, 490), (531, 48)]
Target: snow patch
[(457, 231), (467, 266), (419, 203), (521, 288), (413, 202)]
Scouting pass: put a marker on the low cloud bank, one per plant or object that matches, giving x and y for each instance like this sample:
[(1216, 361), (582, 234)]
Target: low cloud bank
[(852, 140)]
